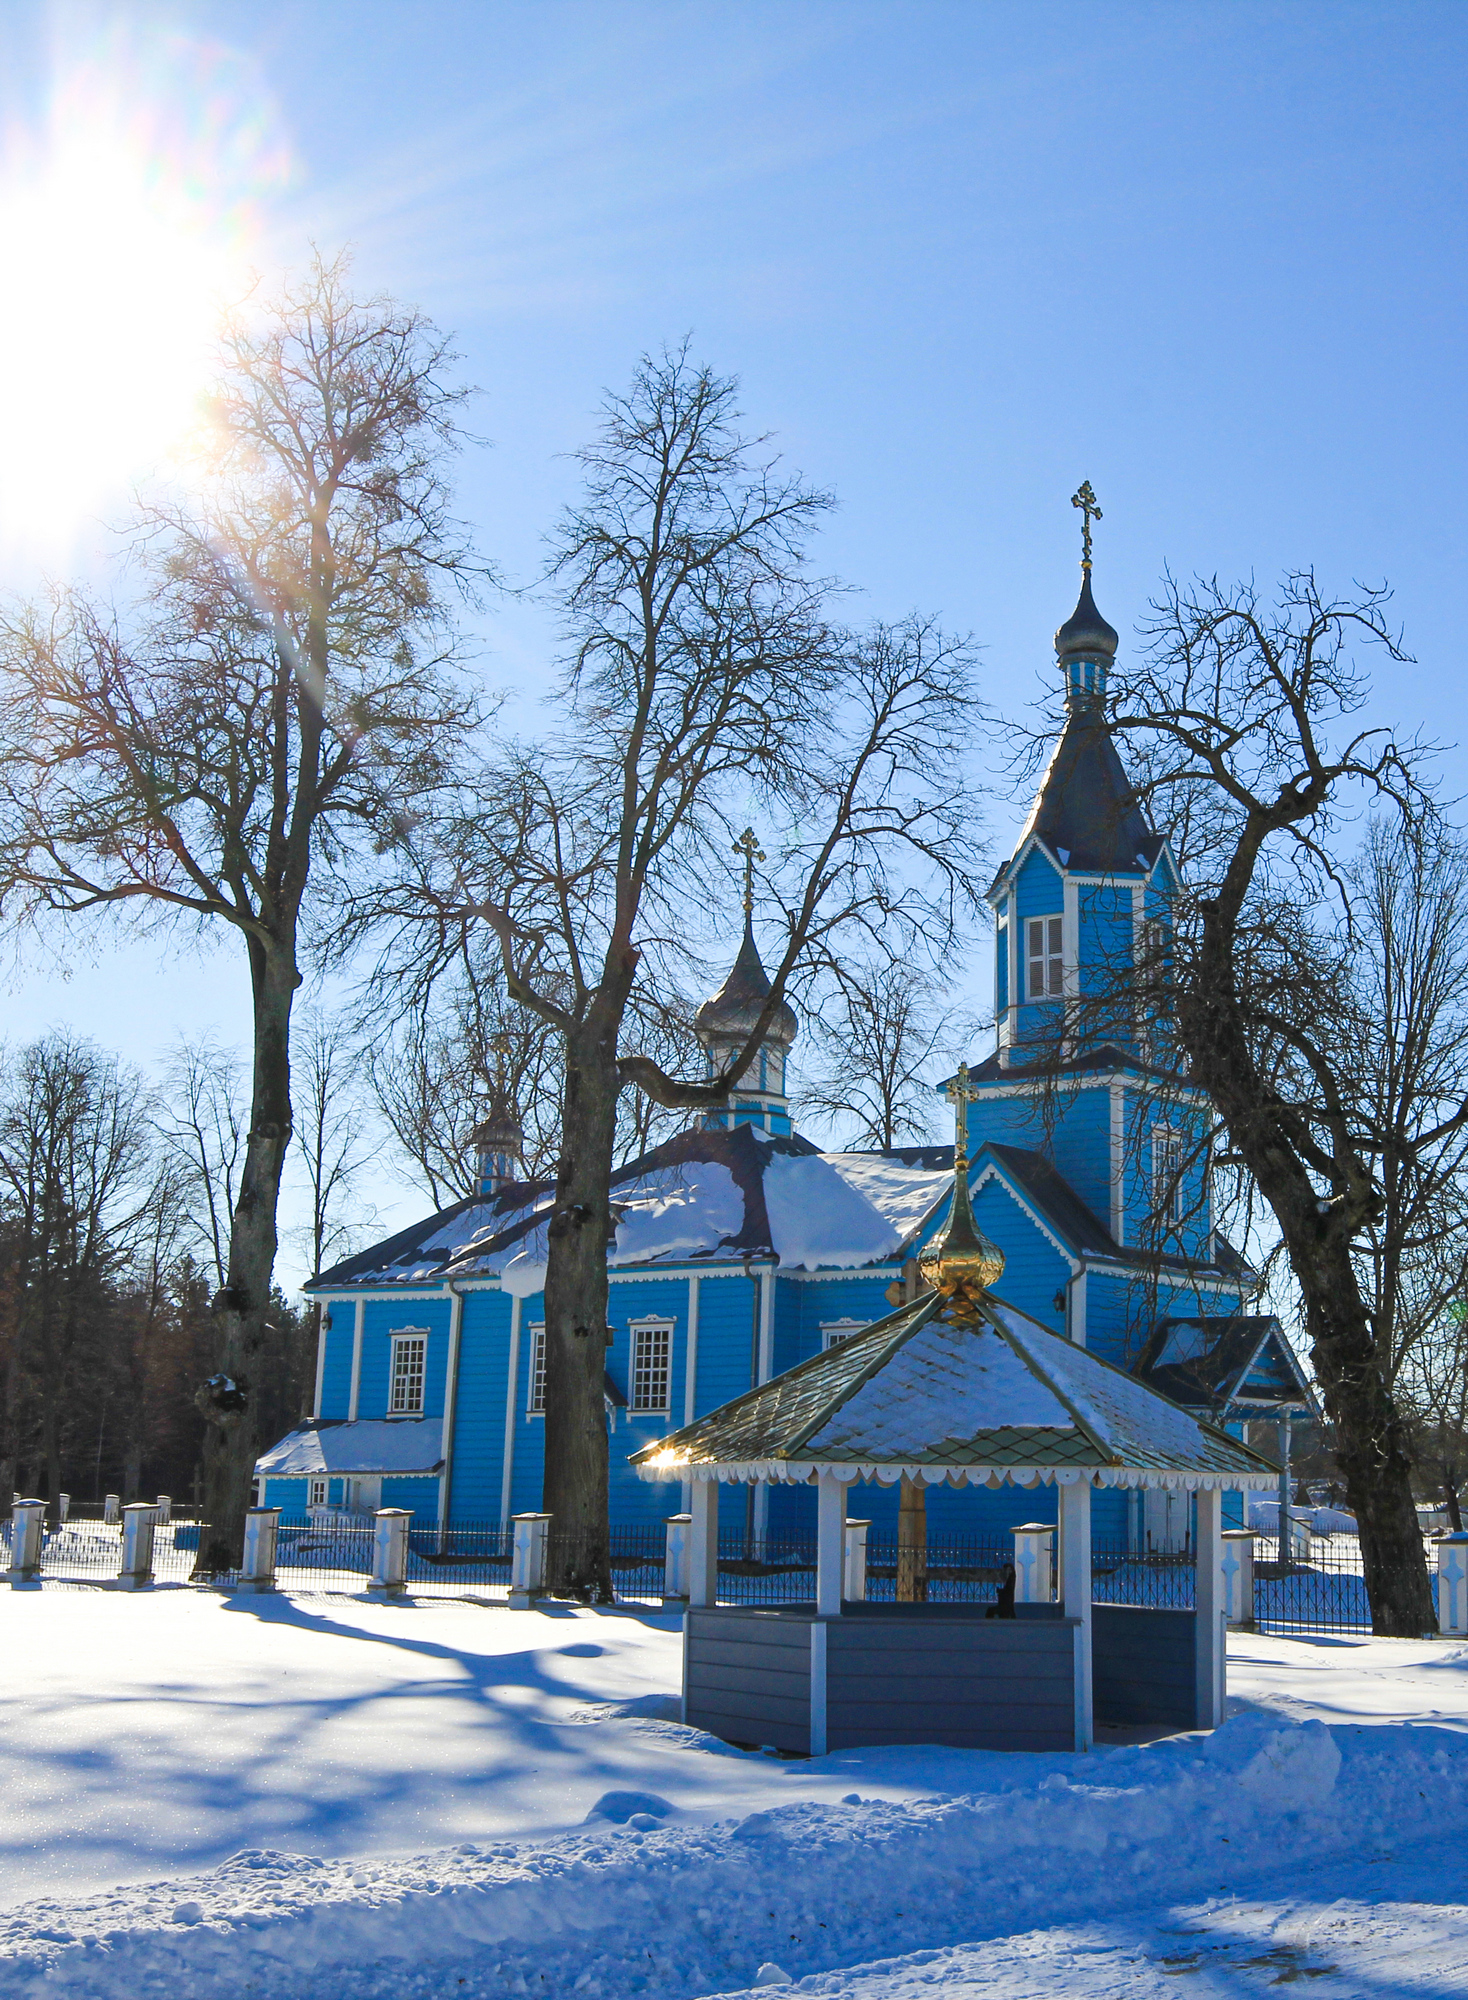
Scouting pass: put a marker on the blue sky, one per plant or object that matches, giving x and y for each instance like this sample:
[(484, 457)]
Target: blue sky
[(962, 256)]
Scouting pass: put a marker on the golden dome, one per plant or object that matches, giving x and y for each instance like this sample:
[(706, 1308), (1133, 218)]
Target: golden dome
[(962, 1263)]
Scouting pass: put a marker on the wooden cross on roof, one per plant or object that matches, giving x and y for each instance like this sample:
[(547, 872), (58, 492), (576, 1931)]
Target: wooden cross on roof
[(1085, 499), (960, 1094), (750, 848)]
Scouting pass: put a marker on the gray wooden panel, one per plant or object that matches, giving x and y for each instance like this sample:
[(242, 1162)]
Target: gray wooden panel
[(1143, 1665), (989, 1733), (919, 1640), (763, 1703), (777, 1634), (737, 1681), (758, 1659), (1005, 1689)]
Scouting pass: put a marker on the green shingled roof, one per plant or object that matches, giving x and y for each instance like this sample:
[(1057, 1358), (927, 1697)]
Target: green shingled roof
[(932, 1395)]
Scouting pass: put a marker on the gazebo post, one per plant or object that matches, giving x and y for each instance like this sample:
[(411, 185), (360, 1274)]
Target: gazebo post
[(1210, 1609), (703, 1542), (830, 1544), (1075, 1590)]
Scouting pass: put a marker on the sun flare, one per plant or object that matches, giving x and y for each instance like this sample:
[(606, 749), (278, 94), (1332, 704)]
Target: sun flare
[(123, 230)]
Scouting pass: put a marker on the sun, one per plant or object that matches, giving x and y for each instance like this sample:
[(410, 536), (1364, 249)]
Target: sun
[(123, 233)]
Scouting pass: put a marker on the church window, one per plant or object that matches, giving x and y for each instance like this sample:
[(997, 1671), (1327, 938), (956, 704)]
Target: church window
[(1047, 957), (834, 1331), (1167, 1175), (652, 1351), (316, 1497), (408, 1357), (535, 1402)]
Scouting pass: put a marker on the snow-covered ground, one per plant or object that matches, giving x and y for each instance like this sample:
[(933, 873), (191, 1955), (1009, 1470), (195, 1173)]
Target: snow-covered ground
[(320, 1796)]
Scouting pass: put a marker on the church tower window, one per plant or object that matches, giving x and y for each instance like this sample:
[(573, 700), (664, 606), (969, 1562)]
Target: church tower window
[(1167, 1175), (1047, 958)]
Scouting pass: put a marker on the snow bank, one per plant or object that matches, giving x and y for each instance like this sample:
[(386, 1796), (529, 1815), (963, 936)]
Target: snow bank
[(672, 1908)]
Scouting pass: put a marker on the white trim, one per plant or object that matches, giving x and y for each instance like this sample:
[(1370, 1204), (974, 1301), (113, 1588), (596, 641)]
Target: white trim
[(818, 1633), (993, 1171), (356, 1361), (1118, 1165), (1075, 1320), (690, 1353), (1070, 938), (450, 1406), (650, 1323), (537, 1336), (323, 1331), (507, 1469), (766, 1323), (395, 1335), (834, 1331), (805, 1472)]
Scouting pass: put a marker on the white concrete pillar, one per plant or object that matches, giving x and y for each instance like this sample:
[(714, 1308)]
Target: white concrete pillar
[(830, 1544), (703, 1543), (1238, 1579), (1075, 1590), (1452, 1586), (675, 1559), (27, 1532), (1034, 1563), (390, 1550), (528, 1560), (854, 1578), (112, 1510), (139, 1518), (257, 1571), (1210, 1609), (165, 1507)]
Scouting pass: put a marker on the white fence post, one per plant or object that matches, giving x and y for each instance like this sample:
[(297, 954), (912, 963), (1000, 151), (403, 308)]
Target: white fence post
[(111, 1510), (1034, 1563), (164, 1504), (257, 1572), (1452, 1586), (854, 1581), (389, 1551), (63, 1506), (1210, 1609), (703, 1544), (1238, 1578), (27, 1528), (527, 1564), (139, 1518), (675, 1559)]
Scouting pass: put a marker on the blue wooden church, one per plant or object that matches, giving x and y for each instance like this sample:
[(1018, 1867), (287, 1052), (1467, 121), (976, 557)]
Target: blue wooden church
[(740, 1248)]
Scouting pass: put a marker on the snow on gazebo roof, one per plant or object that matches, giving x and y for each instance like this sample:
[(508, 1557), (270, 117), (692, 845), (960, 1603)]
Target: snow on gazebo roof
[(960, 1387), (923, 1395)]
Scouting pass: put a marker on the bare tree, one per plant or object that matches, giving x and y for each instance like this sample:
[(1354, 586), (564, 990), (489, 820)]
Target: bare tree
[(259, 730), (336, 1142), (703, 677), (878, 1037), (201, 1114), (84, 1192), (1242, 721)]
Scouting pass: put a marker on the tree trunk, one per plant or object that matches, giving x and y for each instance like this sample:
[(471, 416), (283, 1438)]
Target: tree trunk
[(1371, 1446), (912, 1543), (1450, 1496), (576, 1465), (228, 1401)]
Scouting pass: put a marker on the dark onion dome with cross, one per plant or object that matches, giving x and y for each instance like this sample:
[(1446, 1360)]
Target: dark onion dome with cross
[(498, 1146), (730, 1013), (1085, 810)]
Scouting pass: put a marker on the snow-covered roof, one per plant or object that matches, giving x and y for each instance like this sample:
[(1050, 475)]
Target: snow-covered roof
[(936, 1396), (373, 1444), (709, 1193)]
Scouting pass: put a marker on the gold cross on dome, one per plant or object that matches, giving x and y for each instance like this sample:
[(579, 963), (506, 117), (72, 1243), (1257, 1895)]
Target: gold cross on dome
[(1085, 499), (750, 848), (960, 1094)]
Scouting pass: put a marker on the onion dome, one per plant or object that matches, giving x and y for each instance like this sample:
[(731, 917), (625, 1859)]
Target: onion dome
[(739, 1002), (962, 1263), (1086, 634)]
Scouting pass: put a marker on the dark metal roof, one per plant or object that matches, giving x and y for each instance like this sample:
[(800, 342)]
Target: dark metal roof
[(739, 1002), (1085, 810), (1208, 1364)]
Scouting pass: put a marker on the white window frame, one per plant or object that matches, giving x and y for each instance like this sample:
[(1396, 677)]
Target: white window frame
[(649, 1332), (535, 1371), (1167, 1174), (408, 1337), (316, 1491), (835, 1331), (1049, 933)]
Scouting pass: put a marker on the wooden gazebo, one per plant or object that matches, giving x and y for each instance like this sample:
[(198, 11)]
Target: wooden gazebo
[(957, 1386)]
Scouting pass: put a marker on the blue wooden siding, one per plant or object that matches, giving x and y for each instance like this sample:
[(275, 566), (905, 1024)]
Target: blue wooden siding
[(336, 1376), (382, 1319), (1034, 1270), (290, 1495), (417, 1492), (479, 1423)]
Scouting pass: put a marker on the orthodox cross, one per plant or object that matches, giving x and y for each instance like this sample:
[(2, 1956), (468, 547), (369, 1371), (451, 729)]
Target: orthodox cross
[(750, 848), (960, 1094), (1085, 499)]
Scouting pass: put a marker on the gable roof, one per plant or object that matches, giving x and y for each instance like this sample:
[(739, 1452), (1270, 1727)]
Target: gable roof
[(932, 1395), (709, 1192), (368, 1444), (1241, 1360)]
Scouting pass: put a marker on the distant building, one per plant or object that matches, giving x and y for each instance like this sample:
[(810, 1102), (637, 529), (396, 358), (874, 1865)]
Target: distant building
[(740, 1248)]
